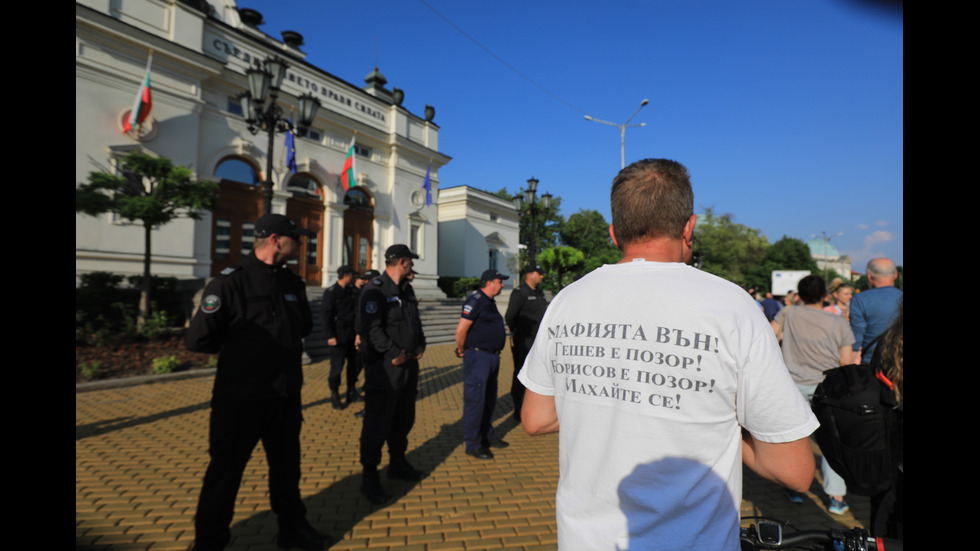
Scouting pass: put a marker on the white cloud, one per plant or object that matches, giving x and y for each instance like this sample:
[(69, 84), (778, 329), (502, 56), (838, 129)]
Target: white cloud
[(881, 223), (863, 226), (876, 237)]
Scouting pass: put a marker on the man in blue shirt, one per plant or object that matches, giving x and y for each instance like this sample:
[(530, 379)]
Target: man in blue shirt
[(480, 337), (873, 310)]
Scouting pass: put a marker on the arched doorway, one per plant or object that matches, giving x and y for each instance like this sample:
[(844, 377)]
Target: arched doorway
[(358, 229), (239, 206), (305, 208)]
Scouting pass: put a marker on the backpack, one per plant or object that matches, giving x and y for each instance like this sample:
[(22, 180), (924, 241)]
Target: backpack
[(856, 409)]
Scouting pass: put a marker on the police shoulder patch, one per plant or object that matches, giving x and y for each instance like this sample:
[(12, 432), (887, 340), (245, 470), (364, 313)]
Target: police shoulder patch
[(229, 270), (210, 304), (371, 307)]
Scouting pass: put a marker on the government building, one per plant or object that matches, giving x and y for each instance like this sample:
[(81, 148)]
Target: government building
[(201, 50)]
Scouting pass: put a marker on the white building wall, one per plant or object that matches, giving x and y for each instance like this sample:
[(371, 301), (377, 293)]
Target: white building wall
[(198, 64), (471, 223)]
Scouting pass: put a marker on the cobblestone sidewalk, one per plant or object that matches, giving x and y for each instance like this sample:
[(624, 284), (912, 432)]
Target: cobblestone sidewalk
[(141, 452)]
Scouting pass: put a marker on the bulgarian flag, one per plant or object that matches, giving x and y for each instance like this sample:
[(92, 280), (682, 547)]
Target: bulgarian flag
[(143, 102), (349, 175)]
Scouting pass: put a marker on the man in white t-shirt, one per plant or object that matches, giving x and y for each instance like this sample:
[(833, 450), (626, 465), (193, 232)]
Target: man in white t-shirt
[(652, 369)]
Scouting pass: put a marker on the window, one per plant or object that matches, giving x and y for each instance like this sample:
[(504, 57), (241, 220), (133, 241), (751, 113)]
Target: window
[(234, 107), (415, 238), (303, 185), (237, 170)]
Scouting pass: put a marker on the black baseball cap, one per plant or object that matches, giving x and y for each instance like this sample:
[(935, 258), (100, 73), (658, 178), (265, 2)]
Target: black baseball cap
[(489, 275), (369, 274), (344, 270), (532, 268), (399, 251), (279, 224)]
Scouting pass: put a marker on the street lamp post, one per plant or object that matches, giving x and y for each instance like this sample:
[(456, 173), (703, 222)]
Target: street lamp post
[(529, 196), (262, 112), (622, 131)]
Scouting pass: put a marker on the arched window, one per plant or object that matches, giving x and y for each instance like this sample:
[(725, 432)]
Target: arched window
[(238, 170), (358, 199), (303, 185)]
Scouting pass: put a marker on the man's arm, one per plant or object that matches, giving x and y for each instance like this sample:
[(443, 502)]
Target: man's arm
[(517, 300), (371, 309), (858, 323), (209, 325), (329, 317), (847, 356), (538, 415), (789, 464), (461, 331)]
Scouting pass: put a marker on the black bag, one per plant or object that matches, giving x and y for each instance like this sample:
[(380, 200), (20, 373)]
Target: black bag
[(856, 412)]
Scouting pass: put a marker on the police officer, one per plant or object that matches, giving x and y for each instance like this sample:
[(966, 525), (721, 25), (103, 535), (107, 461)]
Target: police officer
[(480, 337), (359, 283), (338, 321), (392, 343), (524, 312), (255, 315)]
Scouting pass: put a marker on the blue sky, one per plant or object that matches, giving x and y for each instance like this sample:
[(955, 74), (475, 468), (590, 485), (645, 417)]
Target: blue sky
[(789, 115)]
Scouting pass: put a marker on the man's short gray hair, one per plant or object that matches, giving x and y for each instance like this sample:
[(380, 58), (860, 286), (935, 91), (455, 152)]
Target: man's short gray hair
[(881, 267)]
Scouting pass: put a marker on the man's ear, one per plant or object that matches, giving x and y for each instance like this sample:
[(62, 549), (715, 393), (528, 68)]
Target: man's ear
[(689, 230), (612, 234)]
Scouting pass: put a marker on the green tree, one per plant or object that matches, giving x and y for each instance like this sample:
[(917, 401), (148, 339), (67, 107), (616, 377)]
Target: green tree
[(727, 249), (150, 191), (547, 224), (562, 264), (788, 253), (588, 231)]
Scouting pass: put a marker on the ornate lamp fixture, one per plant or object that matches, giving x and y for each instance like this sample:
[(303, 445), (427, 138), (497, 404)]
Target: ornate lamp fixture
[(263, 113)]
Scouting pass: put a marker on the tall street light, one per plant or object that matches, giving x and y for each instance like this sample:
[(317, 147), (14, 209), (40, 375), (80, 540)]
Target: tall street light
[(263, 113), (622, 131), (529, 196)]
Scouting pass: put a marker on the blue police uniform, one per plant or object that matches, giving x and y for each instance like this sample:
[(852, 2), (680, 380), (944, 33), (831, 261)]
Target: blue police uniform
[(481, 364)]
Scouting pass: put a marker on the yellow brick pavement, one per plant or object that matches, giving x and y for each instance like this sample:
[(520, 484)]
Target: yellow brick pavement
[(141, 452)]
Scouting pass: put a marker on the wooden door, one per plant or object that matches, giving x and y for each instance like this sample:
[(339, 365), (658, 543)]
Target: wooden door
[(233, 223), (358, 238), (308, 213)]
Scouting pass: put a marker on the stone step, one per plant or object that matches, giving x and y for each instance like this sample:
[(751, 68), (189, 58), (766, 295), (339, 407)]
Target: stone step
[(439, 319)]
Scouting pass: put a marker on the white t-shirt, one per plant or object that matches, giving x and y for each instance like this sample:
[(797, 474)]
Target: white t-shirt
[(655, 367)]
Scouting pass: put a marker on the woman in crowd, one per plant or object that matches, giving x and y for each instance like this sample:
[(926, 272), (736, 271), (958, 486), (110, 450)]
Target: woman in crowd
[(813, 342), (841, 293), (887, 508)]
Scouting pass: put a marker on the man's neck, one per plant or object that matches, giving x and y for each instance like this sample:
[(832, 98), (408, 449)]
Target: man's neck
[(655, 250), (266, 255), (394, 272)]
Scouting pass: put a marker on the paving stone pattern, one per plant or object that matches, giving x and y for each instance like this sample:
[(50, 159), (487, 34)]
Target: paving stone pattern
[(141, 452)]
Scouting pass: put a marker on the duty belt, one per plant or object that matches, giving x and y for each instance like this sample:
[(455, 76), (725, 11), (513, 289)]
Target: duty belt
[(483, 350)]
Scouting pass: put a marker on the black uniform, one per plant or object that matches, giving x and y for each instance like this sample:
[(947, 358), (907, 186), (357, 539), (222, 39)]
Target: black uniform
[(254, 316), (388, 324), (524, 313), (338, 321)]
